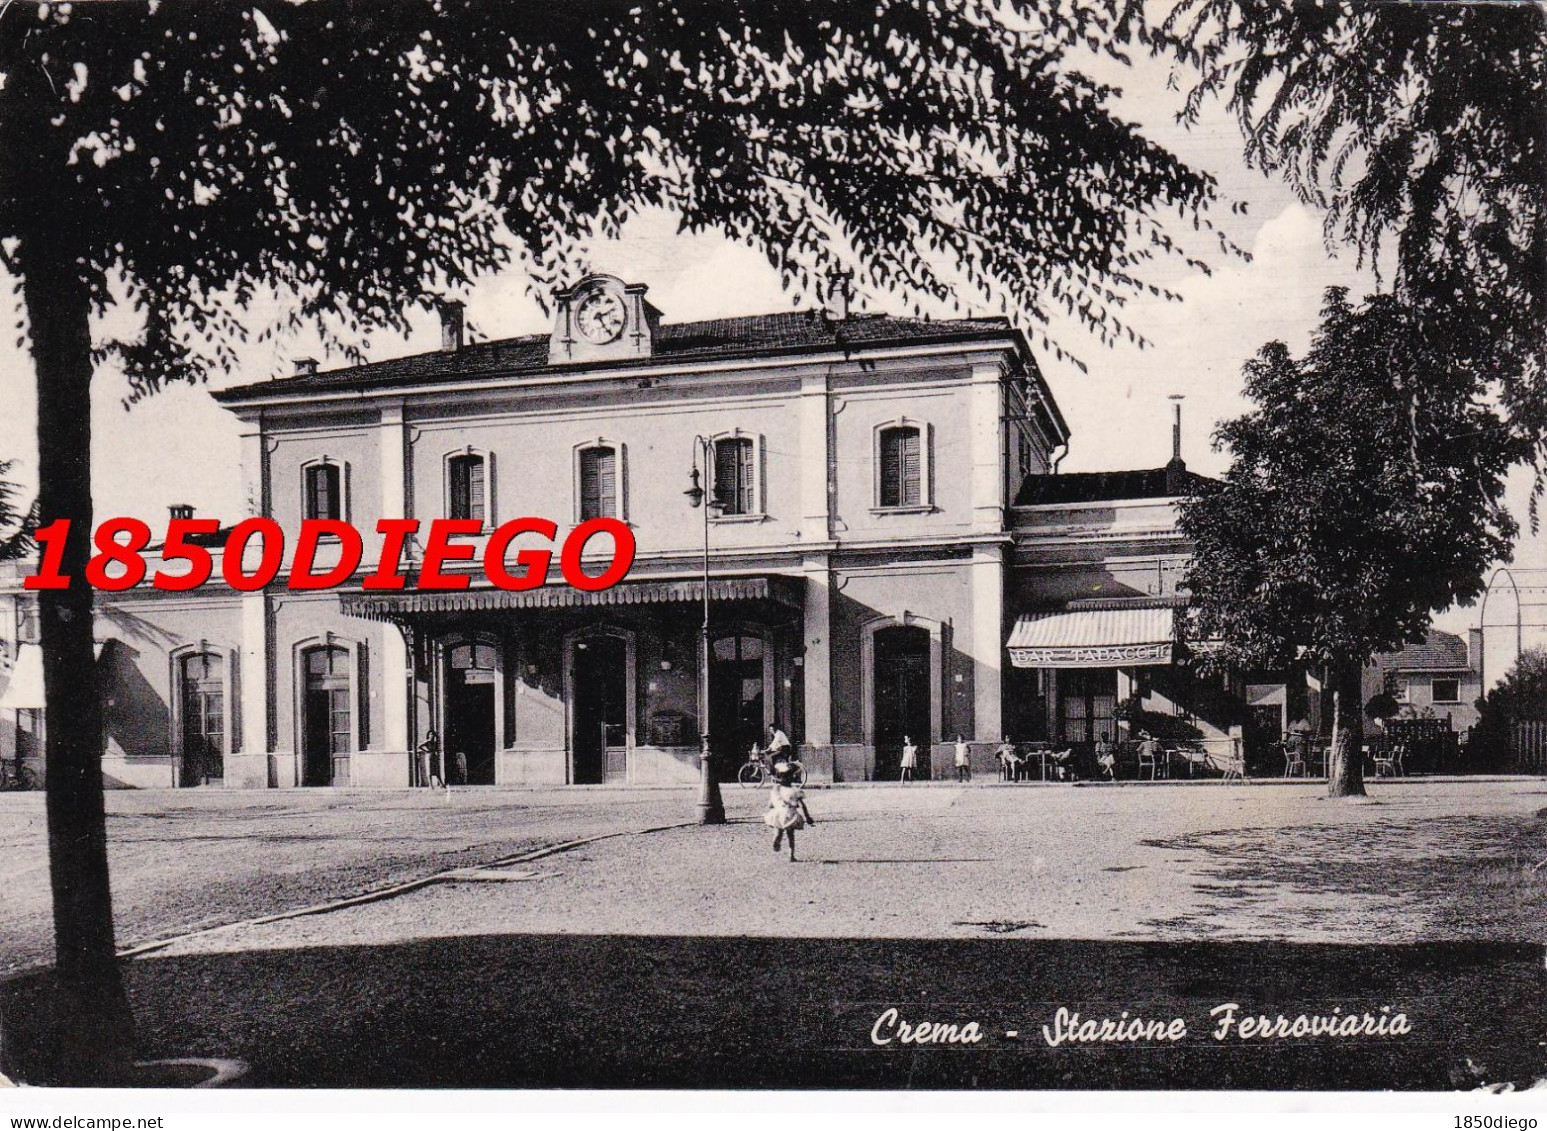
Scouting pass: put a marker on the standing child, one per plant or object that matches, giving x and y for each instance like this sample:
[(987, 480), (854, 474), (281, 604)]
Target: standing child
[(910, 758), (786, 806), (963, 765)]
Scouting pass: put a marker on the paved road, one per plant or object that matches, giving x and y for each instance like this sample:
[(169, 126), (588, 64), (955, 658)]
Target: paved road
[(186, 859), (697, 957)]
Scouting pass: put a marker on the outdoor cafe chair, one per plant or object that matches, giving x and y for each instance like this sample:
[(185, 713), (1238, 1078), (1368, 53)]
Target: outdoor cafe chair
[(1148, 761), (1388, 762), (1294, 760), (1232, 766), (1316, 758)]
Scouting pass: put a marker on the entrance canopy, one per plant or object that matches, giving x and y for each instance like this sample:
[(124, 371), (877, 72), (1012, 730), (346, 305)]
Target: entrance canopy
[(1093, 638), (394, 606)]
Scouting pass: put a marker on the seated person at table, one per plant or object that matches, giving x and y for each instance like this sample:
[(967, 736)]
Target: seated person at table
[(1105, 758), (1008, 761), (1150, 752)]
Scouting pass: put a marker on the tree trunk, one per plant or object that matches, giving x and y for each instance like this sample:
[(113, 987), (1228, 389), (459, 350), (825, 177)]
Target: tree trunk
[(1345, 761), (84, 1036)]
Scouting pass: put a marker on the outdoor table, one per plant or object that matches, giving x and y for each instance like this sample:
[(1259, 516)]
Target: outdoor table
[(1192, 758)]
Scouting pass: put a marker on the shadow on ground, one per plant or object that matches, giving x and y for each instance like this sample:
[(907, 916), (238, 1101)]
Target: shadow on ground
[(546, 1011), (1478, 872)]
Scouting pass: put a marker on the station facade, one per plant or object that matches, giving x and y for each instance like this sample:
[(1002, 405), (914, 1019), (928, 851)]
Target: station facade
[(891, 556)]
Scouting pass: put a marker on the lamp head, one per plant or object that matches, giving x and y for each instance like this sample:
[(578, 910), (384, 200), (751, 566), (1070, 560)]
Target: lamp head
[(695, 493)]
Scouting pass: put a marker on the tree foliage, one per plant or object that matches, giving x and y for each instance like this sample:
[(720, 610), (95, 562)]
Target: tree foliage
[(1521, 696), (16, 523), (357, 159), (1421, 129), (1364, 493), (367, 157)]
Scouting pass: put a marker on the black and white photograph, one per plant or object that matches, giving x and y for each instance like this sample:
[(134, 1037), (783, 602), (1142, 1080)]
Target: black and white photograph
[(773, 546)]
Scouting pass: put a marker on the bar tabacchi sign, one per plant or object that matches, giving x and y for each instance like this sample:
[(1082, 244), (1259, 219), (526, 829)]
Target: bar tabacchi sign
[(120, 562)]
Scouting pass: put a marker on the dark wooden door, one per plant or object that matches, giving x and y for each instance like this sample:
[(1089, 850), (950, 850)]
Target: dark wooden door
[(328, 723), (600, 740), (204, 719), (902, 699), (736, 721), (472, 680)]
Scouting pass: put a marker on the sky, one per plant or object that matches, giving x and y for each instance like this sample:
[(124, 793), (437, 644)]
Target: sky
[(180, 447)]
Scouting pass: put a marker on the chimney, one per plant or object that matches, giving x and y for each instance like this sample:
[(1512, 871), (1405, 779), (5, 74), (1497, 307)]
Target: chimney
[(1176, 470), (1474, 649), (836, 304), (452, 320), (305, 366), (180, 511)]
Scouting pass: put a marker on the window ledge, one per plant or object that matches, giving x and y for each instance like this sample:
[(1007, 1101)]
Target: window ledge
[(734, 518), (924, 508)]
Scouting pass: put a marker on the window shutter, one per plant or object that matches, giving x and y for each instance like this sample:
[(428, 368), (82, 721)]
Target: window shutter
[(891, 467), (475, 491), (744, 503), (911, 468), (322, 491), (607, 461), (727, 475), (734, 475), (458, 469), (590, 490), (598, 482)]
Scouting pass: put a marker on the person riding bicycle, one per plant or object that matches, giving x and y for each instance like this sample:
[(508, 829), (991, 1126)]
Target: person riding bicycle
[(778, 744)]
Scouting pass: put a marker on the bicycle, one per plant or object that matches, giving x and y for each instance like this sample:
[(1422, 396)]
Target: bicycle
[(756, 770), (15, 776)]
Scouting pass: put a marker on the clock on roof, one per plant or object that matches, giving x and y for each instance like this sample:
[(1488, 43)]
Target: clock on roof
[(602, 318)]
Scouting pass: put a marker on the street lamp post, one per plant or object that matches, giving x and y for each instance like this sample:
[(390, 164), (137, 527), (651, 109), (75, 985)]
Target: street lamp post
[(711, 807)]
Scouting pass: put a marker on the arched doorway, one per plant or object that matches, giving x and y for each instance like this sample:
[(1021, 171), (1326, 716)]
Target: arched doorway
[(327, 732), (599, 696), (470, 682), (902, 698), (738, 690), (202, 705)]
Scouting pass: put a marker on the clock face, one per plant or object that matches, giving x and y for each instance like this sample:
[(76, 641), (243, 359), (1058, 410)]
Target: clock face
[(600, 316)]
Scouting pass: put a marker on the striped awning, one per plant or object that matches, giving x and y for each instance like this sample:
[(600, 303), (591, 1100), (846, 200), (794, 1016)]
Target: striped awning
[(394, 606), (1093, 638)]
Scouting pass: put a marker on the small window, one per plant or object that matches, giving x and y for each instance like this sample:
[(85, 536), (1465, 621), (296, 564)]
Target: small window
[(735, 483), (598, 483), (1447, 690), (324, 497), (469, 491), (901, 467)]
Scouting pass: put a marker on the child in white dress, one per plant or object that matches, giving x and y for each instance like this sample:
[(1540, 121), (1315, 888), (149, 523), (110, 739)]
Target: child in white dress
[(786, 807)]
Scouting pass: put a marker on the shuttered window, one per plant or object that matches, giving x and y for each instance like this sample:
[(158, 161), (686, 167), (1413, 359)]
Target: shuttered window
[(598, 483), (901, 468), (323, 498), (468, 492), (733, 475)]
